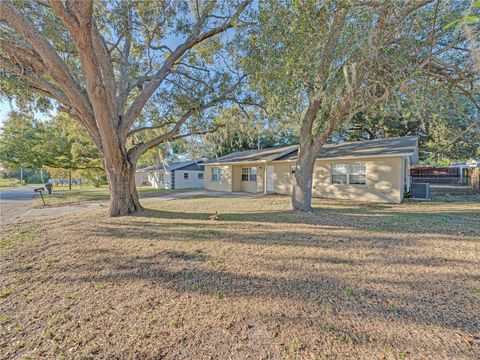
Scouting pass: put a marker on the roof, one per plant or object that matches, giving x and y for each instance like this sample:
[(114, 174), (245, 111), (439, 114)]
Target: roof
[(169, 166), (471, 163), (407, 145), (267, 154)]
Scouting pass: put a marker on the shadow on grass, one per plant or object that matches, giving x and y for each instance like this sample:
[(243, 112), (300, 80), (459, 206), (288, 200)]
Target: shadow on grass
[(377, 218), (319, 289)]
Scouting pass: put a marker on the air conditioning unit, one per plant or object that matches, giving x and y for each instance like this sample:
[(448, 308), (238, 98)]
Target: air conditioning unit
[(420, 191)]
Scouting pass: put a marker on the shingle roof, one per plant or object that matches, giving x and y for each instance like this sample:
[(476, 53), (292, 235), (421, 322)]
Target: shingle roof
[(169, 166), (387, 146), (267, 154), (378, 147)]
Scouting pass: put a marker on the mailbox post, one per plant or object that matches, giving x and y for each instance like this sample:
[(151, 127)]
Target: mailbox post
[(39, 190), (49, 188)]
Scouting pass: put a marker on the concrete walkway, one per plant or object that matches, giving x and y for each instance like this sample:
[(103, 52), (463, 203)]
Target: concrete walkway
[(48, 212)]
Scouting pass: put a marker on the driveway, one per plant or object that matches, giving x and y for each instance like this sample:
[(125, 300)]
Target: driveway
[(21, 209), (16, 202)]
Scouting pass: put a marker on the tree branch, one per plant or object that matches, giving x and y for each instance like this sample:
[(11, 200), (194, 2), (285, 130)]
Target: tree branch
[(55, 66), (140, 101)]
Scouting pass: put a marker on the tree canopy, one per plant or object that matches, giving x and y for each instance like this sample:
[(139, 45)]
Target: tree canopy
[(135, 74), (329, 61)]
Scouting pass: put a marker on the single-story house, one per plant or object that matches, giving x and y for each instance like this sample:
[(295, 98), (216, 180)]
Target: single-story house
[(469, 164), (172, 175), (373, 170)]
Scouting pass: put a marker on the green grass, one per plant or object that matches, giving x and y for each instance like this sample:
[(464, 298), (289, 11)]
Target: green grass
[(5, 293), (9, 183), (87, 193)]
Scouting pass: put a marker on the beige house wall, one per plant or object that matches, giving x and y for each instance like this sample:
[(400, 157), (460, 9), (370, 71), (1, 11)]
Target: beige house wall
[(385, 180), (248, 186), (237, 178), (402, 177), (283, 180), (225, 184), (232, 179)]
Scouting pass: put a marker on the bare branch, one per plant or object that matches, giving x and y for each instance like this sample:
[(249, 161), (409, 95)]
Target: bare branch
[(164, 70), (146, 128)]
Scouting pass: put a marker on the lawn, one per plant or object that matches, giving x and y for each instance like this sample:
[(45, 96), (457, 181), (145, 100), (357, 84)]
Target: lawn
[(359, 281), (81, 194), (8, 183)]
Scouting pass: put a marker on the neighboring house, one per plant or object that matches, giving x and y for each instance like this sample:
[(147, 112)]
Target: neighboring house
[(466, 169), (173, 175), (374, 170), (469, 164)]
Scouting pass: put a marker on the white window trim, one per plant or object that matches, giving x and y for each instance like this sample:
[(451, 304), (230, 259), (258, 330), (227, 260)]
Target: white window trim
[(348, 173), (250, 173), (216, 174)]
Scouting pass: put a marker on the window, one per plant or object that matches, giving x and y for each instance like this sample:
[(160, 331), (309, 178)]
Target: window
[(185, 176), (352, 174), (292, 169), (357, 175), (216, 174), (249, 174), (200, 176)]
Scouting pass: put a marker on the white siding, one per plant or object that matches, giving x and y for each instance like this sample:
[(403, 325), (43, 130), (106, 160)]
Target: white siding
[(156, 179), (193, 180)]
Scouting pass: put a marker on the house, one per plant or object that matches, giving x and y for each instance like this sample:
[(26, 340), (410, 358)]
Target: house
[(469, 164), (172, 175), (467, 170), (373, 170)]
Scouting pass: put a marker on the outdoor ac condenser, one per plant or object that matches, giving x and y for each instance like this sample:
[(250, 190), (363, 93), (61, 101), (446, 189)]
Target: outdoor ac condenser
[(421, 191)]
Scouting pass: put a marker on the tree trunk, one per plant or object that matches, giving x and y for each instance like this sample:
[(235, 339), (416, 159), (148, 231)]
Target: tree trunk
[(302, 189), (123, 192), (69, 179)]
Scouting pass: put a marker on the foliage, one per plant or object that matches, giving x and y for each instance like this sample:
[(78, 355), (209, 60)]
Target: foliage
[(444, 119), (19, 142), (331, 60), (135, 74), (240, 129), (57, 144)]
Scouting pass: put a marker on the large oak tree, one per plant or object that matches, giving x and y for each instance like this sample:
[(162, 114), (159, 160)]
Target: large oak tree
[(329, 60), (135, 74)]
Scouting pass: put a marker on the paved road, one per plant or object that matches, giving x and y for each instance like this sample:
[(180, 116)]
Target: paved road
[(16, 202)]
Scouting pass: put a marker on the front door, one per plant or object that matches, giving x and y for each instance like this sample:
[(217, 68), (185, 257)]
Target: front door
[(269, 179)]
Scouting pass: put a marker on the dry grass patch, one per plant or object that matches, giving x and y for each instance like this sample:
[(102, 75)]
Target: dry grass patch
[(349, 281), (83, 194)]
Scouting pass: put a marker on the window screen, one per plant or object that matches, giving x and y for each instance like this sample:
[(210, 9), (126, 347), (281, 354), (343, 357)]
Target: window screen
[(216, 174), (352, 174), (249, 174)]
